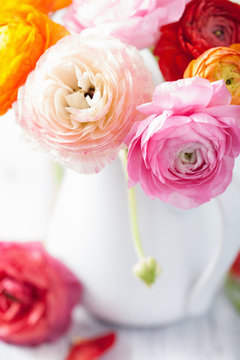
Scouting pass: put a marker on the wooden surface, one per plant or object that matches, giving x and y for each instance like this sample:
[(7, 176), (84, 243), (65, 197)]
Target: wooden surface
[(214, 336)]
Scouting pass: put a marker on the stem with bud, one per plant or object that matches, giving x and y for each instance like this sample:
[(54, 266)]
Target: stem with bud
[(147, 268)]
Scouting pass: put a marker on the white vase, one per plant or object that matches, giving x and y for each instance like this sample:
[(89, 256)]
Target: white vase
[(27, 186), (90, 231)]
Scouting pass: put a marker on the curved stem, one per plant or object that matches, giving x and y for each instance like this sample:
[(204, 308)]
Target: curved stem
[(134, 223), (147, 268), (132, 209)]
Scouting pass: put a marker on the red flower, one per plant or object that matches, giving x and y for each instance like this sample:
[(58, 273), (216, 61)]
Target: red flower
[(203, 25), (37, 294), (235, 269), (92, 349)]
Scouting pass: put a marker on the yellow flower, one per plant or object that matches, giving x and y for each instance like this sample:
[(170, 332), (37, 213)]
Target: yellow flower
[(219, 63), (45, 6), (25, 34)]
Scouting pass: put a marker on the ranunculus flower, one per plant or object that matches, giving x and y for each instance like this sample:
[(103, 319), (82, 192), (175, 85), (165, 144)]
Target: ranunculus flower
[(25, 34), (135, 22), (80, 101), (92, 349), (235, 269), (60, 4), (45, 6), (183, 153), (219, 63), (37, 294), (203, 25)]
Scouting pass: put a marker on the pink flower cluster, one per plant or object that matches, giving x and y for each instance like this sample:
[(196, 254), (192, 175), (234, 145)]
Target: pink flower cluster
[(135, 22), (90, 91), (184, 151)]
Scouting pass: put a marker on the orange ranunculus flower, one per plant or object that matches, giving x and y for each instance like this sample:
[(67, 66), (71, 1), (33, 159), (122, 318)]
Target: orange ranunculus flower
[(60, 4), (219, 63), (25, 34), (45, 6)]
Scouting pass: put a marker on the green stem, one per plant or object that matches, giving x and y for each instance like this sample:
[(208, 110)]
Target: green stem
[(132, 209)]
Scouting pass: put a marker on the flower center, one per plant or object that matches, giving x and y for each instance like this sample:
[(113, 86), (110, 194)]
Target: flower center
[(188, 157), (219, 33), (229, 81), (10, 296), (16, 291), (82, 93), (80, 98), (90, 92), (231, 75)]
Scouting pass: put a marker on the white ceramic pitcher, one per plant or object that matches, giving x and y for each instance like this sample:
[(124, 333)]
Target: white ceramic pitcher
[(90, 231)]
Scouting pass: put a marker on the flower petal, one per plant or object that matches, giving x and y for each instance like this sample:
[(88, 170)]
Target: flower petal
[(92, 349)]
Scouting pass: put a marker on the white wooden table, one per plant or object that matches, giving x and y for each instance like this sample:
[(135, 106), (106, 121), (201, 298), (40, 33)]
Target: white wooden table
[(214, 336)]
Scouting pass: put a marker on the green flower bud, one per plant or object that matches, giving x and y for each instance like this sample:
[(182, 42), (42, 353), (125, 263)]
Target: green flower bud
[(147, 270)]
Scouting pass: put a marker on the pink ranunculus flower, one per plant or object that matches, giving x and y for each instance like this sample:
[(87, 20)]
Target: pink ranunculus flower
[(135, 22), (183, 152), (80, 101), (37, 294)]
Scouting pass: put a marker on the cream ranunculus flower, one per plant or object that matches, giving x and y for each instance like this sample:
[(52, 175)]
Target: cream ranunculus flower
[(80, 101)]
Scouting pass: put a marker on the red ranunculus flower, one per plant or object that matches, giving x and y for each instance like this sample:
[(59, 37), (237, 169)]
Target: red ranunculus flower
[(37, 294), (235, 269), (204, 24)]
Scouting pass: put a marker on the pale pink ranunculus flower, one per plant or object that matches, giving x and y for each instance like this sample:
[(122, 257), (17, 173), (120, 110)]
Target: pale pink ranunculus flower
[(183, 152), (80, 101), (135, 22), (37, 294)]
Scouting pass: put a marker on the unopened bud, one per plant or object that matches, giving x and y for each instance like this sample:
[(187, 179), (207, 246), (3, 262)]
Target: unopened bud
[(147, 270)]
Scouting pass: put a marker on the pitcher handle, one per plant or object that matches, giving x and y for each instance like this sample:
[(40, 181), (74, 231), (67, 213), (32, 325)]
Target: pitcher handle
[(202, 291)]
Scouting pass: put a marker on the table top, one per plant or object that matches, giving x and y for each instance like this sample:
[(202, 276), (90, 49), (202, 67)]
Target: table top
[(214, 336)]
